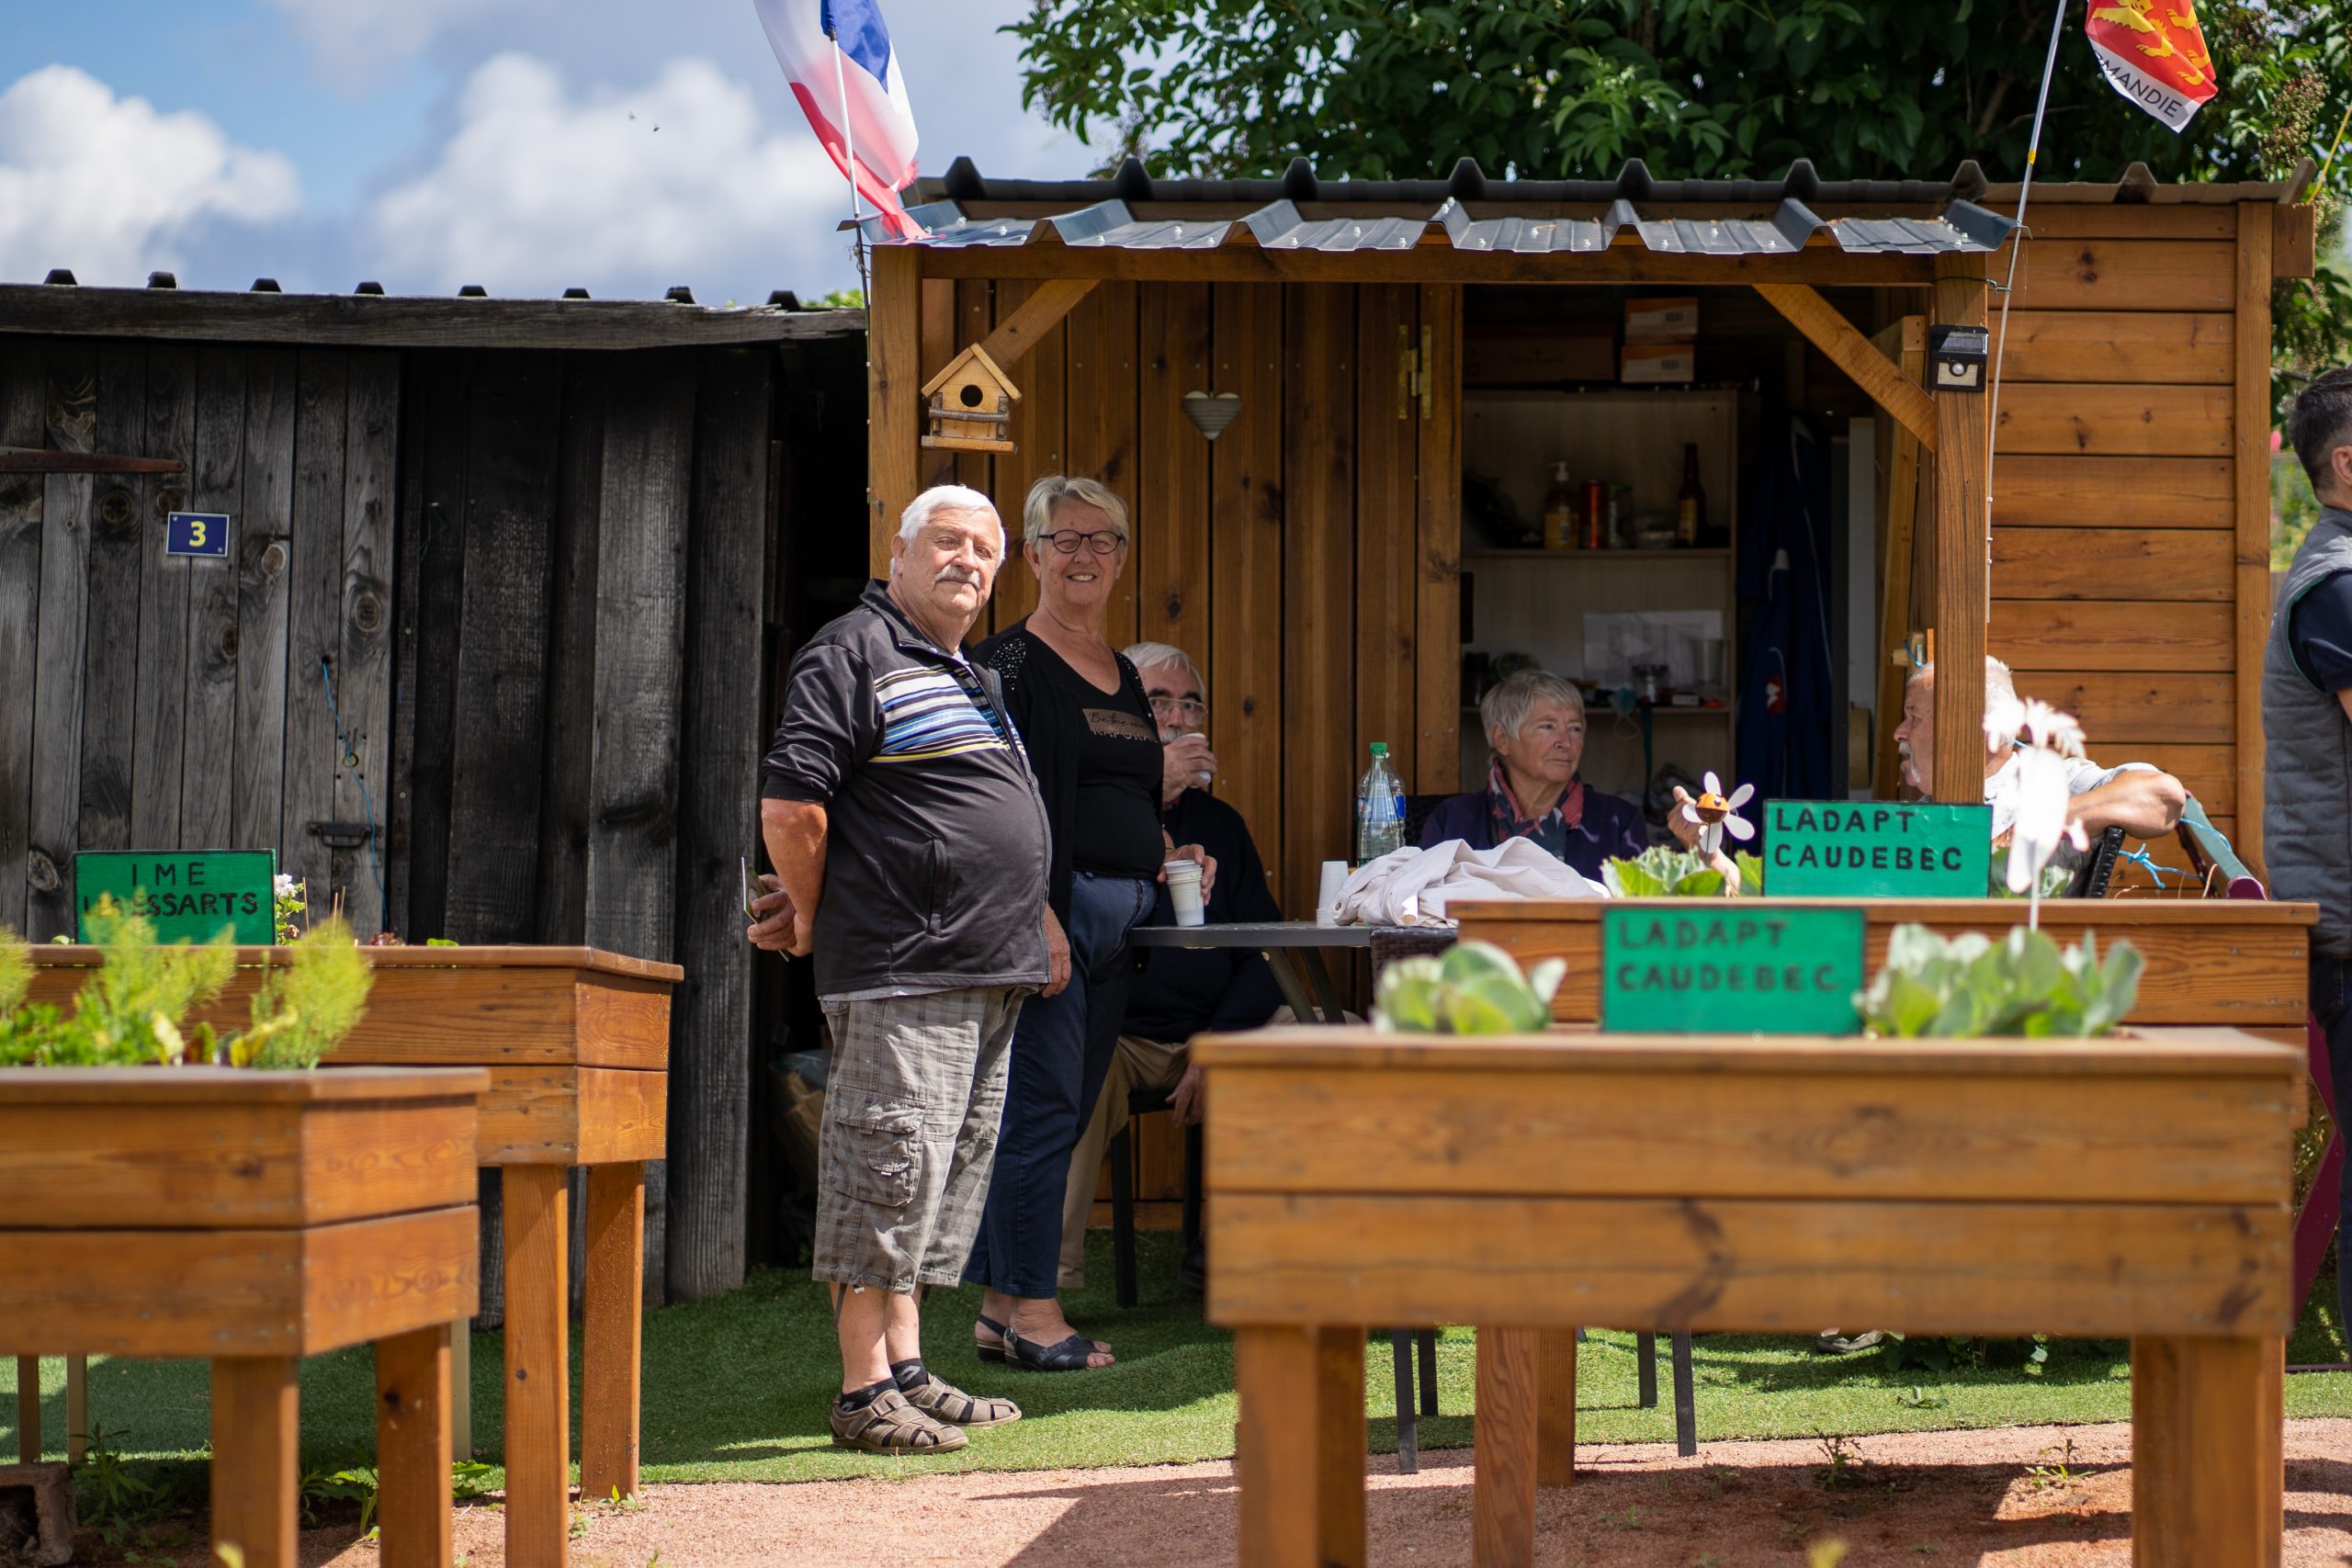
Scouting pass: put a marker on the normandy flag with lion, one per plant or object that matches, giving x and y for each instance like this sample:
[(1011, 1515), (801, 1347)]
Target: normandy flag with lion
[(2153, 53)]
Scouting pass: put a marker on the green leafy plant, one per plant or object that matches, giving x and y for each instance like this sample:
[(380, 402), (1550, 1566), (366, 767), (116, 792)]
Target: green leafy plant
[(302, 1011), (352, 1483), (289, 904), (1665, 871), (108, 1493), (1476, 988), (131, 1010), (1969, 987)]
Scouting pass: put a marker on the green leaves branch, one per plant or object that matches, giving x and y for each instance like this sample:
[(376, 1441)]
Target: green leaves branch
[(1969, 987)]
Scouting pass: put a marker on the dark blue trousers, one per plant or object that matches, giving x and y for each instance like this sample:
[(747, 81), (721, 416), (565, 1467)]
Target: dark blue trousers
[(1061, 1054)]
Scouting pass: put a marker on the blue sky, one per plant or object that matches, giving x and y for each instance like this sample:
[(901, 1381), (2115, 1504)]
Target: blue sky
[(428, 143)]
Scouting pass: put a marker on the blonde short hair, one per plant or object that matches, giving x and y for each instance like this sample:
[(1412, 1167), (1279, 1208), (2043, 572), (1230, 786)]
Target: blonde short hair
[(1037, 512)]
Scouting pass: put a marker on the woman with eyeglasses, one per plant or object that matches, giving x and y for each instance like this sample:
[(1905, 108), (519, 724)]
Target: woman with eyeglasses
[(1088, 727)]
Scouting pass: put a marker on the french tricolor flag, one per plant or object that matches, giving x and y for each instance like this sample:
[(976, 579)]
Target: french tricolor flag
[(837, 55)]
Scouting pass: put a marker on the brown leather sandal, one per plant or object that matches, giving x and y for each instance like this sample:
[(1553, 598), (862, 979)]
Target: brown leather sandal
[(943, 1401), (890, 1425)]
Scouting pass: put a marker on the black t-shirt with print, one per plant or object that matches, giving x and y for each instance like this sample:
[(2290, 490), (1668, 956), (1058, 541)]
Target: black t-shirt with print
[(1117, 829)]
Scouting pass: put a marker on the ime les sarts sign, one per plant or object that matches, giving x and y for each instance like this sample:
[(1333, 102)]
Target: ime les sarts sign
[(191, 897)]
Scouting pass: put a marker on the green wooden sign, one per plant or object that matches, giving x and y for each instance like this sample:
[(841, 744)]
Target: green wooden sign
[(1729, 967), (193, 894), (1876, 850)]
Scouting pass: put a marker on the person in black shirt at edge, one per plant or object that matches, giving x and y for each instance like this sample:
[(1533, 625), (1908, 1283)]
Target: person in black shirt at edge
[(1182, 991), (1082, 716)]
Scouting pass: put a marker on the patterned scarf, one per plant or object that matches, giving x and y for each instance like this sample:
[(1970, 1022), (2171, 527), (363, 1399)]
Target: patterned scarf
[(1549, 830)]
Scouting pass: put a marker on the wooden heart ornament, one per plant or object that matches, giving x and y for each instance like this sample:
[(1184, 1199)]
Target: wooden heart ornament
[(1211, 410)]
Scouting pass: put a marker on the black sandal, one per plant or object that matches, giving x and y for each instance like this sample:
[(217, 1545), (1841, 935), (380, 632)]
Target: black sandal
[(992, 1354), (1067, 1356)]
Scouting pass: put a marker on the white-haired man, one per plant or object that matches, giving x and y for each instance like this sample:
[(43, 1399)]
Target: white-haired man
[(1180, 992), (911, 848), (2143, 800)]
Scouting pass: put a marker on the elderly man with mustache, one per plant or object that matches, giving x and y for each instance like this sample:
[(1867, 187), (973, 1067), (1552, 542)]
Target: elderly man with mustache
[(911, 847)]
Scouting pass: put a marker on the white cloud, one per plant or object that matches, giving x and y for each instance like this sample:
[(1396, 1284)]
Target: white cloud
[(108, 186), (360, 40), (537, 189)]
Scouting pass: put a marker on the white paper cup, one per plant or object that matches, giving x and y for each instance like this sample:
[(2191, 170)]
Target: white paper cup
[(1184, 891), (1327, 896)]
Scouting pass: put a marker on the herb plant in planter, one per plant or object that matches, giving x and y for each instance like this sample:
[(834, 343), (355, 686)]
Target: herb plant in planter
[(2025, 984), (1665, 871), (133, 1010), (1475, 988)]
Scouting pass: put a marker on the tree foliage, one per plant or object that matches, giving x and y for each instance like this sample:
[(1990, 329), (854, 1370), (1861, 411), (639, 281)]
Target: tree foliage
[(1560, 89)]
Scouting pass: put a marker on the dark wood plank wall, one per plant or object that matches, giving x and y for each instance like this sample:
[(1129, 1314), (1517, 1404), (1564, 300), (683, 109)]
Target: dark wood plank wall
[(1295, 557), (2115, 582), (163, 703), (512, 605), (584, 546)]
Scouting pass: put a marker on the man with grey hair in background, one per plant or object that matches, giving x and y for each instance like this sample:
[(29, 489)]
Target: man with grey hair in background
[(2143, 800), (2307, 725), (910, 846)]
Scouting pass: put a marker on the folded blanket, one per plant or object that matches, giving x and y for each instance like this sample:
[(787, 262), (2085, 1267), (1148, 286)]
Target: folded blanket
[(1412, 887)]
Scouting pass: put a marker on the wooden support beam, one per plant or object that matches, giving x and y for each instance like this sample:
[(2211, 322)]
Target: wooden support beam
[(1959, 540), (894, 408), (1031, 320), (1907, 340), (2250, 434), (1831, 332)]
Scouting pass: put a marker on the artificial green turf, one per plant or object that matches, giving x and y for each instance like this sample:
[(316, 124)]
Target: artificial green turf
[(736, 1388)]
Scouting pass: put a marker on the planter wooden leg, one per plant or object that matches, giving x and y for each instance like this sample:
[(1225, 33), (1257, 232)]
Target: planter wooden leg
[(77, 1407), (1555, 1406), (1502, 1511), (538, 1366), (28, 1409), (611, 1331), (413, 1448), (1340, 1448), (2207, 1473), (256, 1472), (461, 1388), (1277, 1373)]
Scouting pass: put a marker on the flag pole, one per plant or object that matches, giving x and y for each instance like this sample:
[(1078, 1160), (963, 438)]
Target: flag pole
[(2017, 247), (849, 147)]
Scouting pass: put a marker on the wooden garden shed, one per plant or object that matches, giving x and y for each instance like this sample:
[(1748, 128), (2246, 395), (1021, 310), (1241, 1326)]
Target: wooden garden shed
[(493, 654), (1312, 556)]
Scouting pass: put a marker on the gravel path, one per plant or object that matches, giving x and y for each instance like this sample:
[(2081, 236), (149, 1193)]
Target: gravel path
[(2010, 1496)]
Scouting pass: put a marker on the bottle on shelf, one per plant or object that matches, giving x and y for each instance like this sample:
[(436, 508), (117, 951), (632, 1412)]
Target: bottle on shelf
[(1595, 514), (1380, 808), (1562, 514), (1690, 505)]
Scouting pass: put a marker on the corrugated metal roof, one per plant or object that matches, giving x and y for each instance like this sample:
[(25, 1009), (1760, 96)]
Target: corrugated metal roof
[(1280, 225)]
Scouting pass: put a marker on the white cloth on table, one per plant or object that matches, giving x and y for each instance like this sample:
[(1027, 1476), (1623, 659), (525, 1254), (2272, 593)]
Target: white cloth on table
[(1412, 887)]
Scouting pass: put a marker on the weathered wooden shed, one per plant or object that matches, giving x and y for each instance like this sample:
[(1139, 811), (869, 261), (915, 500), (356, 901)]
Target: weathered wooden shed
[(1312, 556), (493, 657)]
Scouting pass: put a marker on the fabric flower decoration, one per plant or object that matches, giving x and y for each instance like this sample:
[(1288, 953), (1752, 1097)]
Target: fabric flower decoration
[(2045, 818), (1713, 813)]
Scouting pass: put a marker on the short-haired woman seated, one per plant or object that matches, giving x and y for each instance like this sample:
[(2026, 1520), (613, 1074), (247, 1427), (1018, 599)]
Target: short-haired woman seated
[(1534, 722)]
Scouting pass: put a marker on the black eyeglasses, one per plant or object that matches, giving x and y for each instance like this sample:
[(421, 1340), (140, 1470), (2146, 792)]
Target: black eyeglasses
[(1101, 541)]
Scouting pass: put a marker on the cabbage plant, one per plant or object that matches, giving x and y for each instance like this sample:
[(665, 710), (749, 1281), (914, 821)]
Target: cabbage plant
[(1971, 987), (1663, 872), (1475, 988)]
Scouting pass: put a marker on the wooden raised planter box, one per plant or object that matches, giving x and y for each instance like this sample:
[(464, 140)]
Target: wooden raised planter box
[(2238, 963), (2138, 1186), (576, 1044), (253, 1218)]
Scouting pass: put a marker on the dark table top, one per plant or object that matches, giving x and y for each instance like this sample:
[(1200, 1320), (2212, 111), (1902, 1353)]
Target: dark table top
[(1267, 933)]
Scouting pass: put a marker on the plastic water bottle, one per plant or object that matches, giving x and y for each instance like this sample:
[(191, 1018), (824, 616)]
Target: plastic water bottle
[(1380, 808)]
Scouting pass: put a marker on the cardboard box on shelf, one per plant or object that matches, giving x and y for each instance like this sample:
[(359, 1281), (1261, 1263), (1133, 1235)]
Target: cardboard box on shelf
[(1668, 319), (1654, 363), (1540, 357)]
